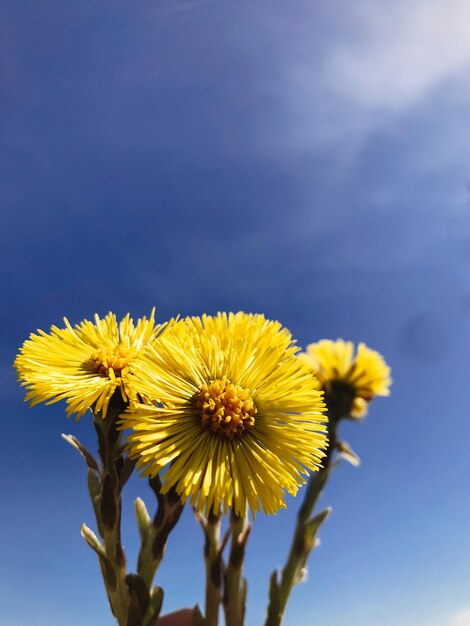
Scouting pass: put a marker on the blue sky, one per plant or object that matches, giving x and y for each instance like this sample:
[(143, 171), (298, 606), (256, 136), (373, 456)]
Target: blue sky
[(308, 161)]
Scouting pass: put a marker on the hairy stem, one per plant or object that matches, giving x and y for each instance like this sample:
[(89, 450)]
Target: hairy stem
[(108, 511), (235, 585), (306, 527), (154, 535), (213, 563)]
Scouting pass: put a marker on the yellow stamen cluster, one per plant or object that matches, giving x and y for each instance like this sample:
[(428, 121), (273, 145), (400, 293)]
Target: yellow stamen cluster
[(116, 359), (225, 408)]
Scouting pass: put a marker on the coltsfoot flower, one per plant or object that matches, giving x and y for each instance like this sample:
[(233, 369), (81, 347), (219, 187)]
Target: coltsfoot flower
[(83, 365), (239, 419), (364, 374)]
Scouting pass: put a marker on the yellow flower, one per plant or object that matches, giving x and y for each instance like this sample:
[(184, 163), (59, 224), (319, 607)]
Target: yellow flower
[(240, 419), (84, 365), (365, 375)]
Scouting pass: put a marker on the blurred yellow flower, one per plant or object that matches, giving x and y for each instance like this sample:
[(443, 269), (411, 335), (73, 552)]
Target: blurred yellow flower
[(83, 365), (239, 419), (364, 374)]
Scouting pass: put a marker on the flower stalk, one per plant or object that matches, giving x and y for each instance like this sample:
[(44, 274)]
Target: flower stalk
[(213, 563), (306, 529), (154, 534), (133, 599), (235, 588), (213, 549), (105, 485)]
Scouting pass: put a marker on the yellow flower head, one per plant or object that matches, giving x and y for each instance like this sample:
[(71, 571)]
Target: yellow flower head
[(238, 420), (365, 374), (83, 365)]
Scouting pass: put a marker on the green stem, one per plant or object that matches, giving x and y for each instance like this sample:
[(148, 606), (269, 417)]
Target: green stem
[(290, 571), (235, 584), (154, 539), (212, 557), (109, 510), (118, 595), (147, 565), (302, 544)]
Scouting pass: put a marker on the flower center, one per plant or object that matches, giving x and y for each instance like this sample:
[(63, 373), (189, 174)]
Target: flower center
[(225, 408), (116, 358)]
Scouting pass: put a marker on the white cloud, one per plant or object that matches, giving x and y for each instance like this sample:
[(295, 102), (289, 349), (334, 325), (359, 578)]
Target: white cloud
[(461, 618), (388, 59), (401, 51)]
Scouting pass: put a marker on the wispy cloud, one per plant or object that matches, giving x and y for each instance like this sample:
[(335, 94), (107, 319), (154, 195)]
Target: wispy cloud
[(461, 618), (387, 60), (401, 51)]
